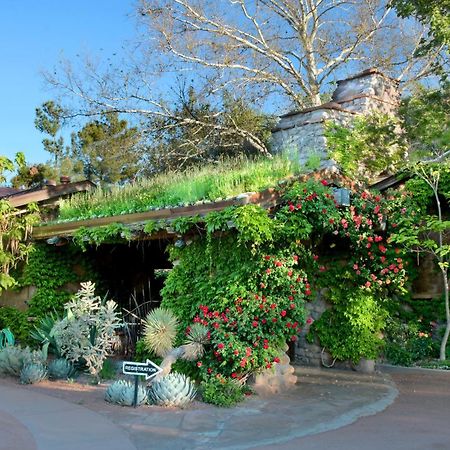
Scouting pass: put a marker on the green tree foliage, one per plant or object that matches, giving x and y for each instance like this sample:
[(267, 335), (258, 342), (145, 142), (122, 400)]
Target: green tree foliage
[(431, 233), (108, 149), (15, 228), (369, 146), (426, 120), (434, 13), (33, 175), (198, 132), (49, 119)]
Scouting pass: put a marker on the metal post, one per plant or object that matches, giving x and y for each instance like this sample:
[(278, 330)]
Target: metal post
[(136, 385)]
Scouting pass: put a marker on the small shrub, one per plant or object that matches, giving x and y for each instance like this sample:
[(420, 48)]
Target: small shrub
[(17, 322), (406, 344), (222, 391), (108, 371)]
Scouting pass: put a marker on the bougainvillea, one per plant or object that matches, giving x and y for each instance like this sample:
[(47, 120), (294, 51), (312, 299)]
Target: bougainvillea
[(250, 294), (251, 332)]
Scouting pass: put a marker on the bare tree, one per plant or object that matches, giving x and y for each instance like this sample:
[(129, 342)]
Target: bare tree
[(291, 47), (277, 54)]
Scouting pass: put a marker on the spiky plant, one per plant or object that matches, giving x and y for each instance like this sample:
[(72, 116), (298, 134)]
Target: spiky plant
[(160, 331), (196, 339), (6, 338), (60, 369), (122, 393), (174, 389), (13, 358), (33, 373)]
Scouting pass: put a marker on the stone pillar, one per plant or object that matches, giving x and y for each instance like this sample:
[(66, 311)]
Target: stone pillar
[(279, 379)]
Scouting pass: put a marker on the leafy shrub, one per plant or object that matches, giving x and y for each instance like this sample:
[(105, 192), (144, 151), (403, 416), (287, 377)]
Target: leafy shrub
[(250, 317), (17, 322), (351, 330), (406, 344), (222, 391), (108, 371)]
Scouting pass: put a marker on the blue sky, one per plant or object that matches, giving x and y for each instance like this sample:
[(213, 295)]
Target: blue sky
[(34, 34)]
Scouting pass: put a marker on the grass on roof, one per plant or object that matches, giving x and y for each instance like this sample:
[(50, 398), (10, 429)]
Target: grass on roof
[(210, 182)]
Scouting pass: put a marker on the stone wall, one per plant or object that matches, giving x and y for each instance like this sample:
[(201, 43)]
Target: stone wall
[(300, 134), (306, 353)]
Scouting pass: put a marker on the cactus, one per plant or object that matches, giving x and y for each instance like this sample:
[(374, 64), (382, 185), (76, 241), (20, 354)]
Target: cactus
[(33, 373), (122, 393), (13, 358), (60, 369), (174, 389)]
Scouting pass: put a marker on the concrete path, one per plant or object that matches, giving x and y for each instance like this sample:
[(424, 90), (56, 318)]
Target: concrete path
[(419, 419), (323, 400), (29, 420), (327, 409)]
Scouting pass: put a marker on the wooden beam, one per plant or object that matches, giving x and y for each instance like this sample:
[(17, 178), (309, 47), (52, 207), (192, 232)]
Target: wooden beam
[(267, 198), (47, 193)]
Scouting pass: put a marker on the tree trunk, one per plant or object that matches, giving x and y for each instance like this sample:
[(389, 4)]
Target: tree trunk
[(442, 353)]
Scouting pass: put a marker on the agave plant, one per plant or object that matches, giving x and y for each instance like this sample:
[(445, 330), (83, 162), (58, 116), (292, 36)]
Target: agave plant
[(60, 369), (174, 389), (6, 338), (13, 358), (160, 331), (44, 334), (122, 393), (33, 373)]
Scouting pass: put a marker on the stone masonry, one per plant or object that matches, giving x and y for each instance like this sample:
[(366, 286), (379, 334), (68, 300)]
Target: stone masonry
[(301, 134)]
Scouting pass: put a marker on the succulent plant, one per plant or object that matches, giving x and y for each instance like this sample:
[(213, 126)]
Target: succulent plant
[(13, 358), (6, 338), (160, 331), (60, 369), (175, 389), (122, 393), (33, 373)]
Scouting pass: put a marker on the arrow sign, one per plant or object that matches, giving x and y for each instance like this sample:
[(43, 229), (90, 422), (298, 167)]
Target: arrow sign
[(148, 369)]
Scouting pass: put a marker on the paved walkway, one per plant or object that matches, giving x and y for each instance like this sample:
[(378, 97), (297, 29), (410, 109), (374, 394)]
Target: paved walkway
[(323, 400), (363, 412), (419, 419)]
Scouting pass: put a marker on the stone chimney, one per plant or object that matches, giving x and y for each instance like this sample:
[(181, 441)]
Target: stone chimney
[(301, 134), (63, 179)]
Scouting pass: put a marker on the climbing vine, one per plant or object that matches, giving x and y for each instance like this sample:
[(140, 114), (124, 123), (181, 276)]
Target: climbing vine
[(246, 277), (52, 270)]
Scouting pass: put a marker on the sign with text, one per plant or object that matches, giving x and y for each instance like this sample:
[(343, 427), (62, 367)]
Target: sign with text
[(148, 369)]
